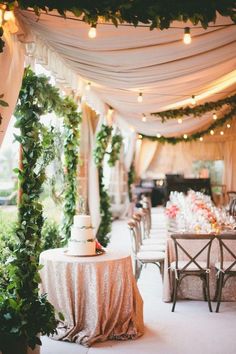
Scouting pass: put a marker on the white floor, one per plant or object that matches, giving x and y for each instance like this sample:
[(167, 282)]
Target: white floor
[(190, 330)]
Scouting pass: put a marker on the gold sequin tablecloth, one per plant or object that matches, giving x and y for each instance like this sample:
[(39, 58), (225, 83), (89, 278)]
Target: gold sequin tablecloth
[(98, 296)]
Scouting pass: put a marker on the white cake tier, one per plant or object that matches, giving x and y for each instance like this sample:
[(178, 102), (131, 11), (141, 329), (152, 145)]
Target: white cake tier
[(76, 248), (82, 235), (82, 220)]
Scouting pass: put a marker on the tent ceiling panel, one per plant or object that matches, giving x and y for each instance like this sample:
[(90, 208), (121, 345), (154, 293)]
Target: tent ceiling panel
[(123, 61)]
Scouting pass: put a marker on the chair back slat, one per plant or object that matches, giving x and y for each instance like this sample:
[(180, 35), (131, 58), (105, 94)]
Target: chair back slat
[(189, 255), (227, 243)]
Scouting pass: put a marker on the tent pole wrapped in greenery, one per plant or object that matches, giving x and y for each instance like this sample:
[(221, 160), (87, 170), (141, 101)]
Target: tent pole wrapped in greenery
[(103, 138), (23, 312)]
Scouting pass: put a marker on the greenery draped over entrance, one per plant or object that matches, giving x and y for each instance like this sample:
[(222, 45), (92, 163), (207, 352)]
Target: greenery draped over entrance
[(103, 139), (24, 313)]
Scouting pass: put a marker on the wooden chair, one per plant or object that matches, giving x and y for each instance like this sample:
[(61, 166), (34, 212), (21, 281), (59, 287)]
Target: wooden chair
[(231, 195), (149, 243), (188, 264), (232, 207), (142, 258), (226, 267)]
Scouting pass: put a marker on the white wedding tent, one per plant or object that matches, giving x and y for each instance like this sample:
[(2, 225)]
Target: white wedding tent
[(123, 77), (108, 74)]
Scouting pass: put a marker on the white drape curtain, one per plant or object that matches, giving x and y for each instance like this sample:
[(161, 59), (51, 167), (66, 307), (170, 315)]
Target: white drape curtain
[(118, 186), (11, 73), (230, 165), (124, 60), (90, 125), (145, 150), (155, 161)]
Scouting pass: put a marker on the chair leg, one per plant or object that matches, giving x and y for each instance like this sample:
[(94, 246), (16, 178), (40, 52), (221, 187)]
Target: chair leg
[(217, 289), (221, 280), (162, 270), (176, 283), (208, 292), (204, 286)]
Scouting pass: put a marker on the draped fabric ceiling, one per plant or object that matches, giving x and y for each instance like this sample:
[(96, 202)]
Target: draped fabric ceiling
[(121, 62)]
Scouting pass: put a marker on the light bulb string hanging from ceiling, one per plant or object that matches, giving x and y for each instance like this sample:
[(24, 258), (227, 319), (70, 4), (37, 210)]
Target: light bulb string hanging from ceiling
[(195, 136), (196, 111), (130, 24)]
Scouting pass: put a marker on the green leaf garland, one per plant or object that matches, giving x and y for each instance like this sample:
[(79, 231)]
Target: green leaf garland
[(103, 139), (196, 111), (23, 312), (195, 136)]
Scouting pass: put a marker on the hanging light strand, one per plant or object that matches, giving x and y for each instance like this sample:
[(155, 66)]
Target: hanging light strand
[(187, 36)]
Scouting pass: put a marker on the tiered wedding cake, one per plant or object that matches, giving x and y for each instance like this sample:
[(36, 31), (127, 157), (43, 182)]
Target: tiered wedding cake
[(82, 241)]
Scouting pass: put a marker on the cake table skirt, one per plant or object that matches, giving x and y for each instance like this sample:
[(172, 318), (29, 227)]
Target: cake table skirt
[(98, 296)]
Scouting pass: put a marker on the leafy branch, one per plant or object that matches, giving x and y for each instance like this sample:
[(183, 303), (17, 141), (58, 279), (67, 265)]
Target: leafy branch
[(103, 138), (196, 111)]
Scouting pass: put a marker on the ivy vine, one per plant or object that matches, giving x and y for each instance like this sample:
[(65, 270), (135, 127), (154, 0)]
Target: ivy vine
[(195, 136), (25, 312), (103, 138), (131, 180), (196, 111), (71, 153), (2, 103), (153, 14), (29, 312)]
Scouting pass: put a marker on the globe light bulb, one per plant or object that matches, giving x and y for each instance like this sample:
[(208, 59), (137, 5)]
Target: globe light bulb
[(180, 121), (214, 116), (88, 86), (140, 97), (193, 100), (212, 132), (158, 135), (8, 15), (144, 119), (228, 125), (92, 33), (221, 133), (187, 36), (201, 138), (185, 136)]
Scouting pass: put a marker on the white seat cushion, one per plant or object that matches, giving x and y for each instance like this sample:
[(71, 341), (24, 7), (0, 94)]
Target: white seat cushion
[(191, 267), (225, 266), (152, 247), (151, 256)]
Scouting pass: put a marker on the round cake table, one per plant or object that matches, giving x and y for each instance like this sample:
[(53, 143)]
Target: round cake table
[(97, 295)]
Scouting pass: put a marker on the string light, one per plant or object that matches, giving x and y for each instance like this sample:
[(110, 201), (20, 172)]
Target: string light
[(180, 121), (140, 97), (201, 138), (212, 132), (221, 133), (110, 111), (92, 33), (185, 136), (193, 100), (88, 86), (187, 36), (140, 136), (158, 135), (228, 125), (8, 16), (144, 119), (214, 116)]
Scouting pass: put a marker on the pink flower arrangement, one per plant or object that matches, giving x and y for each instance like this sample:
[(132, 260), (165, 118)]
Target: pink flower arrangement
[(172, 211)]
